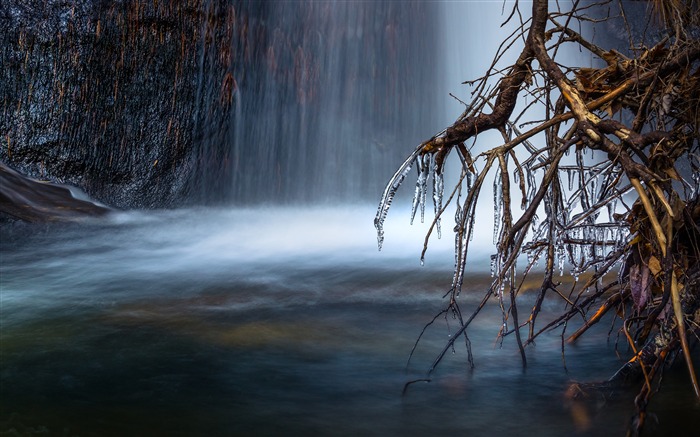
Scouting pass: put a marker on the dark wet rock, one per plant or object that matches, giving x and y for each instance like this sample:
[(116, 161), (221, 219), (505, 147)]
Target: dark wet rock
[(35, 201)]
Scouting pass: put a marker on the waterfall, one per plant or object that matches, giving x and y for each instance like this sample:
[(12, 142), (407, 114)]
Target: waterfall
[(325, 98), (147, 104)]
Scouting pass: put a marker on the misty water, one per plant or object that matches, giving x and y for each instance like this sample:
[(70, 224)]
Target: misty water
[(285, 320), (270, 321)]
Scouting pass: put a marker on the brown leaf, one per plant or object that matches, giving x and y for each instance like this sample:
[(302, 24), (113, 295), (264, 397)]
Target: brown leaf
[(654, 266), (639, 285)]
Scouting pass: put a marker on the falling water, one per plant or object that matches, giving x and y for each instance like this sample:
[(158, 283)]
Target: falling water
[(326, 97)]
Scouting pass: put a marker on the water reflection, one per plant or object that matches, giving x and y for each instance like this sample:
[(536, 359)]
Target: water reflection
[(266, 322)]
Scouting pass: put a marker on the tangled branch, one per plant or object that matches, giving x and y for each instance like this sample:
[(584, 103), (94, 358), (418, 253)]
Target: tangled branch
[(601, 170)]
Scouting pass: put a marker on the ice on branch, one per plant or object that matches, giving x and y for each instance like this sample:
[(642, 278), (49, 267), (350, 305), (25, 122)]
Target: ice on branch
[(424, 170), (438, 190), (429, 165), (389, 193), (497, 206)]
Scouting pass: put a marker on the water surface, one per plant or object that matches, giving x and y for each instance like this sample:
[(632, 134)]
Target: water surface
[(273, 321)]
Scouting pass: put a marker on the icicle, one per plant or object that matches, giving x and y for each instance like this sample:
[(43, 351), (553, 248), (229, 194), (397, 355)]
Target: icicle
[(622, 237), (614, 231), (424, 181), (576, 255), (560, 257), (612, 206), (576, 263), (571, 174), (570, 252), (421, 186), (493, 265), (460, 249), (390, 192), (458, 218), (438, 189), (531, 186), (594, 186), (470, 230), (497, 206), (458, 278), (470, 180)]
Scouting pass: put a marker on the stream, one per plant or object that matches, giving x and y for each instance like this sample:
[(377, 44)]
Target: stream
[(276, 321)]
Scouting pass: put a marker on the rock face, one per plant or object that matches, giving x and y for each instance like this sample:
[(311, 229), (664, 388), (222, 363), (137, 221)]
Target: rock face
[(154, 103), (101, 95)]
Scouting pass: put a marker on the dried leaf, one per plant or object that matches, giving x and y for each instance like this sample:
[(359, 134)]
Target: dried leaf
[(654, 266), (639, 285)]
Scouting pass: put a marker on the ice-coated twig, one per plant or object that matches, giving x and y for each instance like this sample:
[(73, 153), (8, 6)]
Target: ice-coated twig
[(390, 191)]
